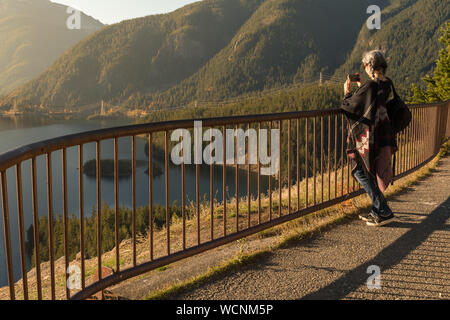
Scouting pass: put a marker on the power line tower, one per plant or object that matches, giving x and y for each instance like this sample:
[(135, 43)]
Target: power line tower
[(102, 109), (15, 109)]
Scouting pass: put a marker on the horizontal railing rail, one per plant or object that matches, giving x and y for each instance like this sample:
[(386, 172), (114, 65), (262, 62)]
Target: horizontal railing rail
[(313, 174)]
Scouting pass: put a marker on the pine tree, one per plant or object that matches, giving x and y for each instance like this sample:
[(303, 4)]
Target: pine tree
[(438, 85)]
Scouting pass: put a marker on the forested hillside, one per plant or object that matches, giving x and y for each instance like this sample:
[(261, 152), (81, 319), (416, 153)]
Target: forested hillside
[(437, 84), (33, 34), (409, 35), (284, 41), (219, 49), (140, 55)]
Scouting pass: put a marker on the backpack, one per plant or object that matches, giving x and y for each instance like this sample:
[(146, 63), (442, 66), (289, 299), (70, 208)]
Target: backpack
[(398, 112), (400, 117)]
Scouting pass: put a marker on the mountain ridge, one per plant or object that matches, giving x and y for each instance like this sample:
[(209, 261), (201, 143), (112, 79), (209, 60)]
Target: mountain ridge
[(216, 49), (33, 34), (152, 52), (411, 56)]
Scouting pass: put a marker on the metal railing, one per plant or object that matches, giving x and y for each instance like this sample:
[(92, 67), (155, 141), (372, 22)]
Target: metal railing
[(314, 174)]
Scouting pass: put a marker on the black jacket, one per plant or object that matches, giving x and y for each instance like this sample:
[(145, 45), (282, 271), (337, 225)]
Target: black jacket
[(365, 137)]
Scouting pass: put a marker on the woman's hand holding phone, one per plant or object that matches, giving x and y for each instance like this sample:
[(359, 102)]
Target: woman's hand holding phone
[(352, 78), (359, 83)]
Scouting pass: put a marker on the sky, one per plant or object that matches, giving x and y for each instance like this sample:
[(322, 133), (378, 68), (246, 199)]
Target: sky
[(114, 11)]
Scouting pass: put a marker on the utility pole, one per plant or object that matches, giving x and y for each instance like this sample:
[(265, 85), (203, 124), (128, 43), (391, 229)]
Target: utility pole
[(321, 78)]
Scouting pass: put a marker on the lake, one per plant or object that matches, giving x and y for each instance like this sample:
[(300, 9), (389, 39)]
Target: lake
[(20, 131)]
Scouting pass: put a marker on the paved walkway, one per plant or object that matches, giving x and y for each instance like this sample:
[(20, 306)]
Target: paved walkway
[(413, 254)]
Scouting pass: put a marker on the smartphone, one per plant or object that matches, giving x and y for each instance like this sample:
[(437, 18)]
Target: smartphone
[(355, 77)]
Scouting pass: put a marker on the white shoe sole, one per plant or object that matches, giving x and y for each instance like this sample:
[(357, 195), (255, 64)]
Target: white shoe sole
[(382, 223)]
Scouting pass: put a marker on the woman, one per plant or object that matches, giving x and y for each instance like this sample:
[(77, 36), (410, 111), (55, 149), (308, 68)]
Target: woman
[(371, 141)]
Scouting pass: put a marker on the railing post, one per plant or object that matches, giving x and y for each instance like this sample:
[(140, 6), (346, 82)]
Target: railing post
[(443, 123), (9, 264), (81, 209), (447, 131), (23, 259), (36, 227), (50, 224)]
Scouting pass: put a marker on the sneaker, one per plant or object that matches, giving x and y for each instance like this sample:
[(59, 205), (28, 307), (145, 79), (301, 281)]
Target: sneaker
[(378, 221), (368, 216), (365, 217)]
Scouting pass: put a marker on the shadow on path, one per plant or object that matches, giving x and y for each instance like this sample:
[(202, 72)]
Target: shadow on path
[(393, 254)]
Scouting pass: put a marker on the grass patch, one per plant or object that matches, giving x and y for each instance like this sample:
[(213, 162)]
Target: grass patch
[(163, 268), (111, 263), (212, 274)]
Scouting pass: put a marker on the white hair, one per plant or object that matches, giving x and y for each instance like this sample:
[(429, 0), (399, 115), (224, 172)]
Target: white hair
[(376, 60)]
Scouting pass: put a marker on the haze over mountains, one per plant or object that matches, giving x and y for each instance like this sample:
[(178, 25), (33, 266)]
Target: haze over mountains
[(216, 49), (33, 34)]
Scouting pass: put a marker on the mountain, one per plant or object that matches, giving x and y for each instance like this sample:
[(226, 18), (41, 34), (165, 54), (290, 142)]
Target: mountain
[(217, 49), (409, 35), (33, 34), (146, 54), (284, 41)]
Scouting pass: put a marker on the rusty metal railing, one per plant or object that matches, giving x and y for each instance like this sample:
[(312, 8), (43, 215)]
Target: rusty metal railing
[(314, 174)]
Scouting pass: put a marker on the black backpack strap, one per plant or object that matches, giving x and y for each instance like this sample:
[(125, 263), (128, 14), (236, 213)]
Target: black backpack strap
[(393, 88), (396, 96)]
